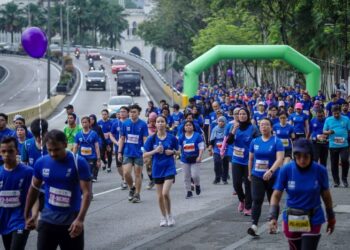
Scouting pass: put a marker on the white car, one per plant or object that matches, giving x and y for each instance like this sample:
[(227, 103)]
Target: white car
[(116, 102)]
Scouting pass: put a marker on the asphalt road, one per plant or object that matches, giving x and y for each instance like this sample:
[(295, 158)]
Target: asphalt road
[(26, 77)]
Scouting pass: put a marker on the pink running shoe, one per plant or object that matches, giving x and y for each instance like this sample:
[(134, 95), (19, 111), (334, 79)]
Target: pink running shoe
[(247, 212), (241, 206)]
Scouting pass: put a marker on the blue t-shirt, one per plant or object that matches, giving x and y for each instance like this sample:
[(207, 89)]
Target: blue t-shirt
[(340, 127), (316, 127), (30, 153), (5, 133), (284, 134), (229, 147), (242, 140), (265, 155), (134, 133), (177, 117), (299, 122), (86, 144), (329, 107), (162, 165), (258, 116), (190, 146), (14, 186), (106, 127), (115, 131), (304, 188), (180, 130), (62, 187)]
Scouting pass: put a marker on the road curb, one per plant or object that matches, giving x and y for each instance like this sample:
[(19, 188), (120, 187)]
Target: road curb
[(4, 74)]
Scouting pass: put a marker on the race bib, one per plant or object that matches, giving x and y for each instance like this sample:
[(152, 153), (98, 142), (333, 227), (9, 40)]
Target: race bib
[(176, 123), (285, 142), (86, 151), (189, 147), (10, 198), (299, 223), (59, 197), (339, 140), (133, 139), (106, 135), (261, 165), (238, 152), (207, 121), (306, 112)]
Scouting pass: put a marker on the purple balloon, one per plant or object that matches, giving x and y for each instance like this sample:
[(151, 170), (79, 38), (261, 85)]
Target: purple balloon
[(34, 42), (229, 72)]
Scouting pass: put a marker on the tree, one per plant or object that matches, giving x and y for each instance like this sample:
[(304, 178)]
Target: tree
[(11, 19)]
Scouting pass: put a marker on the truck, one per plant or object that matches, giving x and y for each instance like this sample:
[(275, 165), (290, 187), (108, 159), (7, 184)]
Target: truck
[(128, 82)]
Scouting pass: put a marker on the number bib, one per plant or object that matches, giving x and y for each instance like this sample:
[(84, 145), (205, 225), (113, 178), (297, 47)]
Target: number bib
[(189, 147), (86, 151), (133, 139), (10, 198), (106, 135), (207, 121), (238, 152), (285, 142), (59, 197), (339, 140), (299, 223), (261, 165)]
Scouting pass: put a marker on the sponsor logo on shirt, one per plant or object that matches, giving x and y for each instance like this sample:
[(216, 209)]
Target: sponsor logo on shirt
[(128, 129), (1, 184), (256, 147), (69, 171), (291, 184), (46, 172), (20, 183)]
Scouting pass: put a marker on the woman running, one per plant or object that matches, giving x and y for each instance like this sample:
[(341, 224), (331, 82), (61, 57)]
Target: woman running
[(300, 121), (192, 147), (285, 132), (240, 135), (305, 182), (266, 155), (162, 146)]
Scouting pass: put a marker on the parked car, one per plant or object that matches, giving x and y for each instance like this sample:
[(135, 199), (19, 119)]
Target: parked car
[(96, 79), (93, 53), (118, 65), (116, 102)]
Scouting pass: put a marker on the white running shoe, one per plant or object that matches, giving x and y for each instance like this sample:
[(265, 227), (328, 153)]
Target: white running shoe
[(253, 231), (163, 222), (171, 221)]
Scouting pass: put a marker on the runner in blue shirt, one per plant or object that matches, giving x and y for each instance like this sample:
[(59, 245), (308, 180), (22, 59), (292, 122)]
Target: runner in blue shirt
[(240, 134), (15, 179), (20, 121), (300, 121), (260, 114), (345, 109), (67, 195), (21, 136), (162, 147), (177, 117), (115, 135), (305, 182), (273, 115), (132, 137), (285, 132), (4, 130), (266, 155), (319, 140), (86, 145), (337, 128), (107, 148), (192, 147)]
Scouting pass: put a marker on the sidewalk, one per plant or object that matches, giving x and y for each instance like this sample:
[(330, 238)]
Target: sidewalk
[(227, 229)]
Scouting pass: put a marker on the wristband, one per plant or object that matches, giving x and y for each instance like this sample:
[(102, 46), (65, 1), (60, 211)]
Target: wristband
[(330, 213), (274, 212)]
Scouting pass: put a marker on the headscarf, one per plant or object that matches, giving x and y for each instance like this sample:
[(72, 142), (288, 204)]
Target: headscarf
[(218, 132), (244, 125)]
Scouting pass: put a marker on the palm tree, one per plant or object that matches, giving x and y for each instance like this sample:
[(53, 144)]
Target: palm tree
[(11, 18)]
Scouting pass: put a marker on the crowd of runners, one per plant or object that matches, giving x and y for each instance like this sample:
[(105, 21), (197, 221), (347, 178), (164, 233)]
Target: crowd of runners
[(272, 140)]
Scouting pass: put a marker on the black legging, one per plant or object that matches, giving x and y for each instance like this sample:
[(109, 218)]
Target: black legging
[(320, 151), (240, 175), (259, 187), (221, 167), (343, 153), (104, 151)]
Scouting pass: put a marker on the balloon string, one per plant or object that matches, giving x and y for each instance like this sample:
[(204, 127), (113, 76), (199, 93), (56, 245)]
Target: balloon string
[(39, 107)]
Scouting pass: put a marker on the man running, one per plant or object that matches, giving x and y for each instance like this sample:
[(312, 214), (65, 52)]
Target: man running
[(71, 130), (67, 196), (132, 137), (4, 130), (106, 125), (15, 180)]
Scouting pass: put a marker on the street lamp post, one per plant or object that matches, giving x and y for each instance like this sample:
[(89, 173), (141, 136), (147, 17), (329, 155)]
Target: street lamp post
[(68, 39), (29, 17), (48, 49)]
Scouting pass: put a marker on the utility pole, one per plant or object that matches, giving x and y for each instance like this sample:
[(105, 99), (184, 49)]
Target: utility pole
[(68, 39), (29, 17), (48, 49), (61, 31)]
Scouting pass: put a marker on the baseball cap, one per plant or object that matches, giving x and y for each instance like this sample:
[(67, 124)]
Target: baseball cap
[(302, 145), (69, 106), (261, 103), (298, 106), (18, 116), (281, 103)]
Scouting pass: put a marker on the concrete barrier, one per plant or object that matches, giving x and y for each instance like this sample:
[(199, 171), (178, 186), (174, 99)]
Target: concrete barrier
[(46, 107)]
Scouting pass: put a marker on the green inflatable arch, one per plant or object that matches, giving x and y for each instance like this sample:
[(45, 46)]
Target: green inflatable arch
[(223, 52)]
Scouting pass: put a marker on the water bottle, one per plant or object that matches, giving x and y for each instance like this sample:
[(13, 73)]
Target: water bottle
[(161, 145)]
